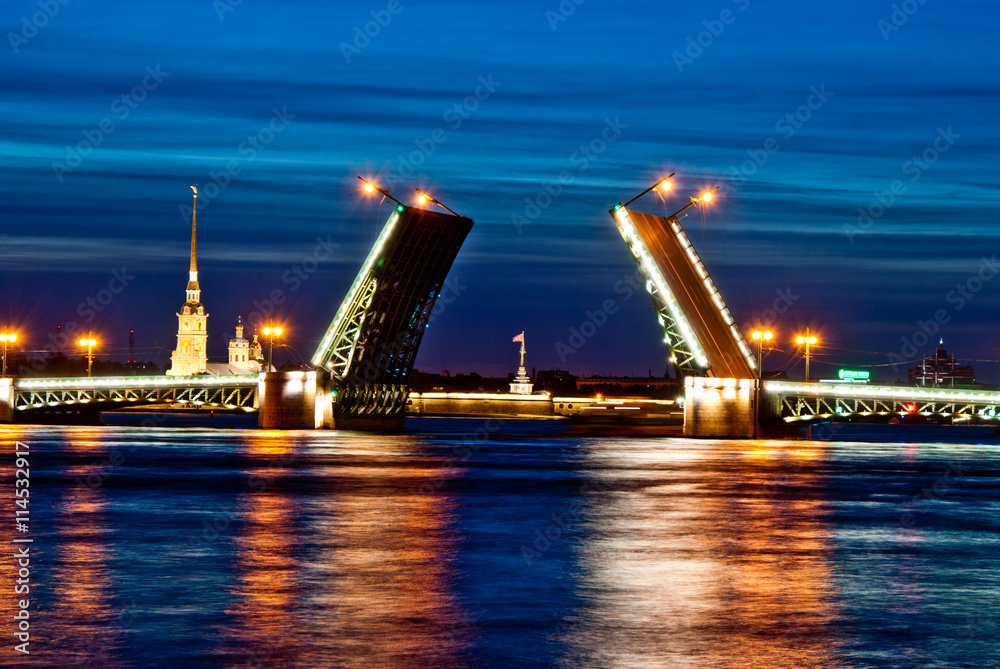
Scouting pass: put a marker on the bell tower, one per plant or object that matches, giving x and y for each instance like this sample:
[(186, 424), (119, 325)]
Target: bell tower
[(191, 355)]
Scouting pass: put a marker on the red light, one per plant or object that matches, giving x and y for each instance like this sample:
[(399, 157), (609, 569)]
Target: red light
[(911, 407)]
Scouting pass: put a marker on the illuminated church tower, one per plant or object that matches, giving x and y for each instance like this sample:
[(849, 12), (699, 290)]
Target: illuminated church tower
[(191, 356)]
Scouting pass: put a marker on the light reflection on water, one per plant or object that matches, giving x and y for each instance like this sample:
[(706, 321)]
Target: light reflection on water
[(224, 548), (707, 572)]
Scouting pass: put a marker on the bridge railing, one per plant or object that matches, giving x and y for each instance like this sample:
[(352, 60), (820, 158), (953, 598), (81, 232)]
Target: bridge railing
[(230, 392), (810, 401)]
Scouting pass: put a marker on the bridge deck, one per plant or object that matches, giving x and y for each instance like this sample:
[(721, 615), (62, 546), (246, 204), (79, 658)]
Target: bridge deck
[(724, 352), (810, 401), (230, 392)]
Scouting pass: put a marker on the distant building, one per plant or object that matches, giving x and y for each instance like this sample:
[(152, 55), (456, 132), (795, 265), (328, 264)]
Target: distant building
[(940, 370), (653, 382), (191, 354), (245, 356)]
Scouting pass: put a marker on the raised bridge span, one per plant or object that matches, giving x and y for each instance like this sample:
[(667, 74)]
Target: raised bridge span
[(362, 364), (709, 352)]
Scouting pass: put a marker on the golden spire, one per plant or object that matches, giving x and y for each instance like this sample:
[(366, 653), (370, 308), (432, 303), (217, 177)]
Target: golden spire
[(194, 236)]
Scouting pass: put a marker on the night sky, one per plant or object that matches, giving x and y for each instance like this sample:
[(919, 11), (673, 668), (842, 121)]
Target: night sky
[(805, 116)]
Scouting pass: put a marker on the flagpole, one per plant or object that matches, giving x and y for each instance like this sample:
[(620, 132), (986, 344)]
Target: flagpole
[(522, 348)]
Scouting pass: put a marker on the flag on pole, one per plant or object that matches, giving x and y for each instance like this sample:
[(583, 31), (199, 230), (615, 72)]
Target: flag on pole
[(519, 337)]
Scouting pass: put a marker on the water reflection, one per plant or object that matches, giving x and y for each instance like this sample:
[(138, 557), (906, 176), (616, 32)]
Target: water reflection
[(89, 631), (694, 558), (380, 583), (344, 564), (267, 558)]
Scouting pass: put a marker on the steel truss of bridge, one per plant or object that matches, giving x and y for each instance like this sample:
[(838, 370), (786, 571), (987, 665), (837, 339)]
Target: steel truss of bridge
[(702, 334), (225, 392), (370, 347), (819, 401)]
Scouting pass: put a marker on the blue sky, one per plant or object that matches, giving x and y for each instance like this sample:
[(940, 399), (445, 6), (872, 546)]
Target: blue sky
[(284, 106)]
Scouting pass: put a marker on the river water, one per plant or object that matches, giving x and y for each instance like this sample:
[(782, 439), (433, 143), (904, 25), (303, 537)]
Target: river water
[(515, 543)]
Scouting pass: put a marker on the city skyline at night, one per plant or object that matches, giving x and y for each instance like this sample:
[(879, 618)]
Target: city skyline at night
[(849, 156)]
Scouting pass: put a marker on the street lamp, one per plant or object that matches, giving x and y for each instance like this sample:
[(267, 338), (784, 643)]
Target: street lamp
[(808, 340), (6, 337), (760, 336), (705, 197), (424, 198), (271, 332), (372, 188), (663, 185), (90, 343)]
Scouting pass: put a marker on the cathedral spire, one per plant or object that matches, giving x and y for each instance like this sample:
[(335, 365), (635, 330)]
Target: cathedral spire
[(193, 289), (190, 356)]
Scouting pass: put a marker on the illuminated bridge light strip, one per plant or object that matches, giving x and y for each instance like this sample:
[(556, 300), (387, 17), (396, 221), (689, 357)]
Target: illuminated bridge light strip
[(883, 392), (359, 282), (714, 293), (639, 249), (137, 382)]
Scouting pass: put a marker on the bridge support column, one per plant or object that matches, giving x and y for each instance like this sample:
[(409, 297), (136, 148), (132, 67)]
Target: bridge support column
[(7, 400), (294, 401), (720, 408)]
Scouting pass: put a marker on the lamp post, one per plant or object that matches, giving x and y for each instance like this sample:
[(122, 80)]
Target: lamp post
[(424, 198), (663, 185), (808, 340), (372, 188), (271, 332), (90, 343), (760, 335), (6, 337)]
